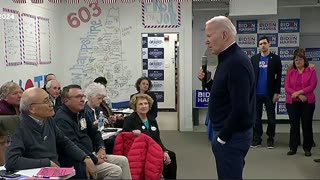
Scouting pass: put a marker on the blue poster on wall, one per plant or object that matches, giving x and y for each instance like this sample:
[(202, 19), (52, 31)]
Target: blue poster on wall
[(289, 25), (313, 54), (156, 74), (281, 108), (286, 53), (250, 51), (155, 53), (159, 95), (201, 98), (247, 26)]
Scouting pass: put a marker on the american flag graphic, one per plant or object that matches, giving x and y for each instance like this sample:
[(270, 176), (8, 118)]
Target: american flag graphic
[(72, 1), (37, 1), (91, 1), (127, 1), (19, 1), (55, 1), (163, 1), (109, 1), (146, 1)]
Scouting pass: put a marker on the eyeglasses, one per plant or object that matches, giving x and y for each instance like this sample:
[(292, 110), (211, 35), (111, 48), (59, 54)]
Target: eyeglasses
[(46, 101), (8, 141), (80, 96)]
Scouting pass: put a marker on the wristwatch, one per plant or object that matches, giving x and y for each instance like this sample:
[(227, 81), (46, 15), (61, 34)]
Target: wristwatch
[(102, 147), (87, 157)]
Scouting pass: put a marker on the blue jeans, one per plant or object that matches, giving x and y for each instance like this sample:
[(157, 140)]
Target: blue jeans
[(230, 157)]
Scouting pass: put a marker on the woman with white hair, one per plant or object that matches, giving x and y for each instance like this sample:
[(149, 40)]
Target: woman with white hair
[(94, 93)]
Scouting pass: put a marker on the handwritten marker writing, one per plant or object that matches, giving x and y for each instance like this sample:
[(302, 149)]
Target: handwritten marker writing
[(40, 176)]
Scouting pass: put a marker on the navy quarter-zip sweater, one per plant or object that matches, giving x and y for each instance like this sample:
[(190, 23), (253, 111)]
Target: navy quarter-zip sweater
[(232, 93)]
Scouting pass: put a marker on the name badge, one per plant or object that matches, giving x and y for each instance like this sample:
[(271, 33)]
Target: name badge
[(143, 127), (83, 124), (153, 128)]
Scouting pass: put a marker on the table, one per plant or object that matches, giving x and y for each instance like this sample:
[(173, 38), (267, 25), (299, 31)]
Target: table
[(24, 173), (32, 172)]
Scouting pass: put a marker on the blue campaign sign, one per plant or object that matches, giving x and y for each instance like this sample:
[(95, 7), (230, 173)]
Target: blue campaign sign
[(155, 53), (250, 51), (286, 53), (247, 26), (281, 108), (202, 98), (313, 54), (289, 25)]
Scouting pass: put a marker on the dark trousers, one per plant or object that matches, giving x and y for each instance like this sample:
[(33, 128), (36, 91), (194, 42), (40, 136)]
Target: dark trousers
[(230, 157), (270, 108), (300, 111), (170, 170)]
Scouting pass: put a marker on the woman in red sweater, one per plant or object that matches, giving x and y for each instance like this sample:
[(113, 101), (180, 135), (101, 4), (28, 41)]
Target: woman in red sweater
[(301, 81)]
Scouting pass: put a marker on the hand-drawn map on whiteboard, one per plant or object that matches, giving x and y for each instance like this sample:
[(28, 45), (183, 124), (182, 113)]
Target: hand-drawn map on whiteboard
[(101, 55)]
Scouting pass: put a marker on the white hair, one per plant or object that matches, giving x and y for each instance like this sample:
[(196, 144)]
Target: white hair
[(25, 103), (94, 90), (224, 24), (49, 83), (6, 88)]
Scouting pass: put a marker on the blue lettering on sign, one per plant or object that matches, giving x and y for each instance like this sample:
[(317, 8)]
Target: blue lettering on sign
[(202, 98), (166, 14)]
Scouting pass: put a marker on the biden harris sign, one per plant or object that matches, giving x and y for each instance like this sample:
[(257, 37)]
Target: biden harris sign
[(201, 98)]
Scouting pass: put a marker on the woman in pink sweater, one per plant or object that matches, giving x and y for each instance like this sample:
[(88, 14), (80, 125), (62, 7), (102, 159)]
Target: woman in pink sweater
[(301, 81)]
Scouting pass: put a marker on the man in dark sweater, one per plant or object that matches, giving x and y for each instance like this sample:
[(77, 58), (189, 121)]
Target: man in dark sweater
[(232, 99), (37, 140), (81, 131)]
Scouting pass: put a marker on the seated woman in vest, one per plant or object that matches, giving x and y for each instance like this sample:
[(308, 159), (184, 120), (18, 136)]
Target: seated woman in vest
[(115, 120), (141, 122), (144, 85)]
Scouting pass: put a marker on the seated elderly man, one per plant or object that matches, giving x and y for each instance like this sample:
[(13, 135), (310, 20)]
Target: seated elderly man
[(10, 95), (86, 136), (48, 78), (54, 89), (37, 140)]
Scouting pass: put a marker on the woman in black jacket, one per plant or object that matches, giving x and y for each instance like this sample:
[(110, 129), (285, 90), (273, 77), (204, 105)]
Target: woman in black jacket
[(141, 122)]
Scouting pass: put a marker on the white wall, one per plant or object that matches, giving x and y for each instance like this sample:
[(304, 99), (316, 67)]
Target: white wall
[(121, 18), (24, 72), (127, 68)]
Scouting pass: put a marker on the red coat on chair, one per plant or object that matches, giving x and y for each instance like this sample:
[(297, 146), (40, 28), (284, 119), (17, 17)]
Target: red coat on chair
[(145, 156)]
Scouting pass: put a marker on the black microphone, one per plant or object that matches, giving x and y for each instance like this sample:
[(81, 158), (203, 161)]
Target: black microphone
[(204, 69)]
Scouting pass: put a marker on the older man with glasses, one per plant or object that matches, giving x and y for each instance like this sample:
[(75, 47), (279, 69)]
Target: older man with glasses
[(37, 141)]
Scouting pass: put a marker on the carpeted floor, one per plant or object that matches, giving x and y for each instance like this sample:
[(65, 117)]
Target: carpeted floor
[(195, 159)]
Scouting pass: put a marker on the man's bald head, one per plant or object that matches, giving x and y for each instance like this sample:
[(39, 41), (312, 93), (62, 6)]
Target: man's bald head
[(36, 102)]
